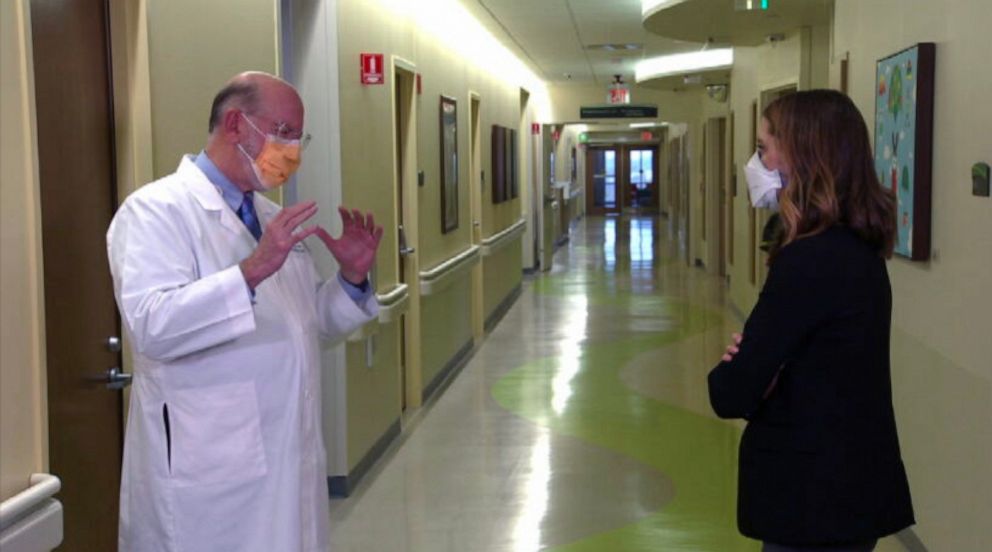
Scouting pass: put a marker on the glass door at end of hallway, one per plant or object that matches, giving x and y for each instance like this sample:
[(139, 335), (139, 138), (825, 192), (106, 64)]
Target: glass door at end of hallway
[(642, 190), (603, 163)]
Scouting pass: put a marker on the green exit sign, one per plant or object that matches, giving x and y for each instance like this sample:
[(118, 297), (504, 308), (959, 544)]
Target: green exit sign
[(583, 138)]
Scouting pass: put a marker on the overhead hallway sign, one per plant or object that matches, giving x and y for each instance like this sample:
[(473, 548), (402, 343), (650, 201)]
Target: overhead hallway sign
[(621, 111), (372, 72)]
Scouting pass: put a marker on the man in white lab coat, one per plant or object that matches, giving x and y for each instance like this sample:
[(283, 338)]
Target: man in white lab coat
[(223, 307)]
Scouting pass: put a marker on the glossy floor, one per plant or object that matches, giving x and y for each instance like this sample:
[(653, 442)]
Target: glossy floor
[(581, 424)]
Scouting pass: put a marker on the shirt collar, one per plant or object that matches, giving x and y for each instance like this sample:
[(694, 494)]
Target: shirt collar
[(232, 195)]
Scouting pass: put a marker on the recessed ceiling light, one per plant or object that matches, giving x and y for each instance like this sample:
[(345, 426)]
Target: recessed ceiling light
[(680, 64)]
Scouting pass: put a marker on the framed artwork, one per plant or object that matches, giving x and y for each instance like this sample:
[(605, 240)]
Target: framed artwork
[(449, 164), (511, 164), (499, 164), (904, 142)]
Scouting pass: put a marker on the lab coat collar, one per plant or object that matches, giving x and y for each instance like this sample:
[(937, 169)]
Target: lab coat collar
[(207, 195)]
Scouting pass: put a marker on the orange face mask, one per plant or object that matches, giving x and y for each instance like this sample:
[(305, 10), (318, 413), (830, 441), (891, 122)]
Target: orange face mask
[(276, 162)]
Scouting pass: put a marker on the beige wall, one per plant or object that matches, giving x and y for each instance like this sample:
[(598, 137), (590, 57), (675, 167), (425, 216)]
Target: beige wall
[(23, 399), (757, 69), (941, 369), (194, 47), (367, 172)]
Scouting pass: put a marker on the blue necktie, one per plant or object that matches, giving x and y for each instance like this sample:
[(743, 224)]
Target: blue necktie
[(248, 216)]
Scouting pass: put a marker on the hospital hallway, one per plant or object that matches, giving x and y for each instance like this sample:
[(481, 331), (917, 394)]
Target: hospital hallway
[(582, 423)]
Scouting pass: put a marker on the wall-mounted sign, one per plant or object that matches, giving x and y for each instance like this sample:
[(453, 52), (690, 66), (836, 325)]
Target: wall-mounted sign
[(618, 95), (535, 128), (646, 136), (583, 138), (372, 71), (629, 111)]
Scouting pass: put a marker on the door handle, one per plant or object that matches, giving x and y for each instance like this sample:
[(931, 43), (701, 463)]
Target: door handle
[(404, 250), (117, 379)]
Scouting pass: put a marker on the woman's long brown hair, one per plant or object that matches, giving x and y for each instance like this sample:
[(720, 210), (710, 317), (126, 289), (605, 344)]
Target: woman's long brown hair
[(832, 176)]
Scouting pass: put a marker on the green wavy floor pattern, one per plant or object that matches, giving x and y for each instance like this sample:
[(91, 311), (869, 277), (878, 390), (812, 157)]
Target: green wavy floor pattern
[(699, 454)]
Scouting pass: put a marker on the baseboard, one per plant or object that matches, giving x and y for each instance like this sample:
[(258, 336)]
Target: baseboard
[(450, 369), (500, 311), (340, 486), (908, 538), (737, 312)]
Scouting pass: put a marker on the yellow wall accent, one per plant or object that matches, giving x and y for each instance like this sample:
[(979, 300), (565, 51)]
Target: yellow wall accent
[(23, 395)]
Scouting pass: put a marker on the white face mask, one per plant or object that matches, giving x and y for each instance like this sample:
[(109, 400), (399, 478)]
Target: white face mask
[(762, 184)]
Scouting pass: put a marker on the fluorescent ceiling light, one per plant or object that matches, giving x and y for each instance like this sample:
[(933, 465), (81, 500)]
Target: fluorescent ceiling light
[(648, 125), (651, 6), (679, 64)]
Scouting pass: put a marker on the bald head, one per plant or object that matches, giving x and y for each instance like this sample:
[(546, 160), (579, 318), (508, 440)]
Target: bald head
[(249, 92), (250, 107)]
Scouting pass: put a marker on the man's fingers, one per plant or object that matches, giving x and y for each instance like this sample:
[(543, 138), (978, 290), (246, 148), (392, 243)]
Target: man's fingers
[(293, 210), (370, 223), (377, 235), (346, 218), (291, 217), (324, 236), (305, 233), (359, 218)]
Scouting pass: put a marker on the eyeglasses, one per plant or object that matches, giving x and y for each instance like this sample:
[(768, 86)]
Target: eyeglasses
[(285, 132)]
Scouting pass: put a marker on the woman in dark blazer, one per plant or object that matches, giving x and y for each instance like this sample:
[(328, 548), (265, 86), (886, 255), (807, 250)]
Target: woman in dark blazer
[(820, 467)]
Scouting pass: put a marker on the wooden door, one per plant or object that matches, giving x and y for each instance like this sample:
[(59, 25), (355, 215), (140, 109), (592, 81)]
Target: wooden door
[(76, 160)]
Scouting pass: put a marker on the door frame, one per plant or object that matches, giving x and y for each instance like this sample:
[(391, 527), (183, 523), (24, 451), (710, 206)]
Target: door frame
[(656, 149), (475, 201), (406, 186), (591, 151)]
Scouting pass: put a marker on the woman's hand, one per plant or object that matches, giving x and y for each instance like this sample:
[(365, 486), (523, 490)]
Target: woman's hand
[(733, 348)]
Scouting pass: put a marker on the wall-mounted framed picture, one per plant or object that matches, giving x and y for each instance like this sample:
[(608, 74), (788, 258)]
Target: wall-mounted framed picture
[(449, 164), (511, 164), (499, 164), (904, 87)]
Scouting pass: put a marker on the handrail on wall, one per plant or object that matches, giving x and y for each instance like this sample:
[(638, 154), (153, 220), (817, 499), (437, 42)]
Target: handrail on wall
[(437, 278), (392, 296), (43, 486), (493, 243), (449, 265)]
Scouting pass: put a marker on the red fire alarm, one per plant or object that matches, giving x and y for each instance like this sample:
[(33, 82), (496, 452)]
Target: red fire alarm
[(535, 128), (372, 70)]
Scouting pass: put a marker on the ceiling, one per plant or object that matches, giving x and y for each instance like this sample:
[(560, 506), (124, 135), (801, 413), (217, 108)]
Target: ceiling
[(563, 40), (727, 22), (559, 38)]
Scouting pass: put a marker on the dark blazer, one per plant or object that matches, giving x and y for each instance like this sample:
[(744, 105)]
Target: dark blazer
[(819, 459)]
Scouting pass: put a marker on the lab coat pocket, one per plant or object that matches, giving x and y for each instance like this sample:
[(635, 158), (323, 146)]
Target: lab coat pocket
[(216, 435)]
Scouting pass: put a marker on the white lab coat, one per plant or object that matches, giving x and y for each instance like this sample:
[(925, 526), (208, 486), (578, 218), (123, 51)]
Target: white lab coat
[(223, 449)]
